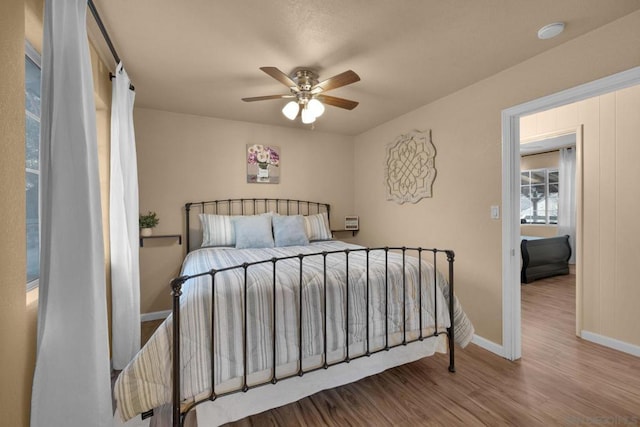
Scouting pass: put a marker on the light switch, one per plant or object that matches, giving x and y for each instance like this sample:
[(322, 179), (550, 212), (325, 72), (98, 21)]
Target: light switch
[(495, 212)]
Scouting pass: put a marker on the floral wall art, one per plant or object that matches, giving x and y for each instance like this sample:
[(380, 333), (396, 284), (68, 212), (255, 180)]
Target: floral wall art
[(263, 164), (410, 167)]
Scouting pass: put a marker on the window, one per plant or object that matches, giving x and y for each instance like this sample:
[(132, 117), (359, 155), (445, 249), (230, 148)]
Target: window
[(539, 196), (32, 167)]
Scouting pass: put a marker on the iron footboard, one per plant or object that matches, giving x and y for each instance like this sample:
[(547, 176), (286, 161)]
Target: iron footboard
[(177, 283)]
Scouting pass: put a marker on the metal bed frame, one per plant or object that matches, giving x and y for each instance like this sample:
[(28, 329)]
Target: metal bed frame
[(252, 206), (300, 207)]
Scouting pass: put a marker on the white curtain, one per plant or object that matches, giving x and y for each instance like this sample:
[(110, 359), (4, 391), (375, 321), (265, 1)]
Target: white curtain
[(123, 225), (71, 383), (567, 198)]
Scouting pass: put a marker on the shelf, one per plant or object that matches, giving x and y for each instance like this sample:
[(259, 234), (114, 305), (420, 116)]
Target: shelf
[(353, 232), (161, 236)]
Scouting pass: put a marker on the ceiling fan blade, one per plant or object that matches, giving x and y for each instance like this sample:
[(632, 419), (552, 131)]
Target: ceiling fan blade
[(335, 82), (281, 77), (264, 98), (338, 102)]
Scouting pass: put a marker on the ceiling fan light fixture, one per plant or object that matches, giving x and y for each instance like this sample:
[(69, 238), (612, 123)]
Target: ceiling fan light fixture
[(307, 116), (304, 87), (316, 107), (291, 110)]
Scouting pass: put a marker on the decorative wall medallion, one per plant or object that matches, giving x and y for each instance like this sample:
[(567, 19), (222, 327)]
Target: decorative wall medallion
[(410, 169)]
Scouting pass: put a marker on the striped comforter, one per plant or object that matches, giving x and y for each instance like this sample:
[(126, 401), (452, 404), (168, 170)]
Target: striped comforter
[(146, 382)]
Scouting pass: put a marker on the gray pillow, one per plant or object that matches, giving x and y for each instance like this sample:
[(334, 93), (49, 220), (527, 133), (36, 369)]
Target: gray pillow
[(289, 230), (253, 232)]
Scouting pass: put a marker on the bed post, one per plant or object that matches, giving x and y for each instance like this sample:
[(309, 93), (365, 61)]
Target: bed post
[(187, 209), (176, 291), (450, 331)]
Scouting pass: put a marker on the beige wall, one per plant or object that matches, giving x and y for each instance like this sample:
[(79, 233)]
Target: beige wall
[(15, 369), (546, 124), (174, 150), (467, 134), (539, 230), (539, 161), (184, 158), (610, 141)]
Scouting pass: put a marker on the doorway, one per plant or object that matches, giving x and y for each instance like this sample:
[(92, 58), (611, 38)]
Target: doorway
[(549, 203), (511, 293)]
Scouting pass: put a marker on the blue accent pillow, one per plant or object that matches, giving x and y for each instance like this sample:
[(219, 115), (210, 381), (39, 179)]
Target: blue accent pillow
[(289, 230), (253, 232)]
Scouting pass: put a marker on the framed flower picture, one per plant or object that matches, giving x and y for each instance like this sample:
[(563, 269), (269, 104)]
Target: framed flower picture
[(263, 164)]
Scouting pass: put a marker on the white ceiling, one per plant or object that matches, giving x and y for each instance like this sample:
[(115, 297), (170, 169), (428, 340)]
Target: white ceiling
[(202, 56)]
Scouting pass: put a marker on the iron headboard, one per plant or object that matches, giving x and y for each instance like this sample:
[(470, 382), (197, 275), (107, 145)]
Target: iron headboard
[(254, 206)]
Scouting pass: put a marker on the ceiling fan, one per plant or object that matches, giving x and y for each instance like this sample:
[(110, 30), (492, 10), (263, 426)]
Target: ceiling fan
[(307, 93)]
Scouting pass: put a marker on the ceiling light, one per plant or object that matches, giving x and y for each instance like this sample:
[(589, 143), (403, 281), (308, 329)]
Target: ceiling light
[(315, 107), (307, 93), (291, 110), (307, 116), (310, 109), (551, 30)]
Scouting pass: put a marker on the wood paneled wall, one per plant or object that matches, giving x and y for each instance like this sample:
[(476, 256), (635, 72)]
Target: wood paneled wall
[(611, 176)]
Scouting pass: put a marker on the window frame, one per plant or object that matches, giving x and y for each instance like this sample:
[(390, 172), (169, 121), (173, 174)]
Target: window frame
[(34, 56), (547, 216)]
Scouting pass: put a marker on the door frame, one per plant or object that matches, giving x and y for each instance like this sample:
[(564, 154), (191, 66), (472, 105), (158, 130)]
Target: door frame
[(511, 304)]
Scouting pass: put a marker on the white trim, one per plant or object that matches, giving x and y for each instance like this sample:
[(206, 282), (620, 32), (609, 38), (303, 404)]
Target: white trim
[(613, 343), (598, 87), (32, 54), (155, 315), (511, 309), (511, 313), (488, 345), (34, 284), (548, 144), (547, 135), (579, 224)]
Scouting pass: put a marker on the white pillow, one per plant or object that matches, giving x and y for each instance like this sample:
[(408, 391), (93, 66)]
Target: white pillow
[(317, 227), (217, 230)]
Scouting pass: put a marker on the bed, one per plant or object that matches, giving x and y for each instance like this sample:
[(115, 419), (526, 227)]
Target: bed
[(544, 257), (317, 314)]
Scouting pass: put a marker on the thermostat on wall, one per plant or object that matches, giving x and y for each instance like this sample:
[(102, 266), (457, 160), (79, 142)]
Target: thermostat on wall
[(351, 223)]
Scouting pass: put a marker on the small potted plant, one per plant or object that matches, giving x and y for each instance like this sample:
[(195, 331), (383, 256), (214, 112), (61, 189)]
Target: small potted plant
[(147, 222)]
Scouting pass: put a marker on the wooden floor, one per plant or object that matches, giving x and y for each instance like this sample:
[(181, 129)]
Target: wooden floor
[(561, 380), (147, 329)]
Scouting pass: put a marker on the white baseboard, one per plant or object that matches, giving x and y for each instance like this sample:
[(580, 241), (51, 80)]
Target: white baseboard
[(488, 345), (156, 315), (613, 343)]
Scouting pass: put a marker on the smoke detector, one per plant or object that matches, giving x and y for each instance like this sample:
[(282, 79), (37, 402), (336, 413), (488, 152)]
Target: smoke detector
[(551, 30)]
